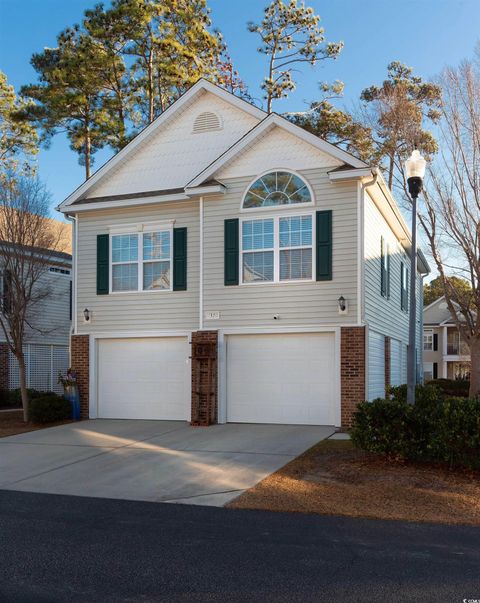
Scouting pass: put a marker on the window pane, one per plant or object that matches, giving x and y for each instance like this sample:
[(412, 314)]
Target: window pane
[(296, 231), (270, 182), (295, 264), (156, 275), (275, 189), (258, 266), (156, 246), (125, 277), (124, 248), (257, 234), (252, 200)]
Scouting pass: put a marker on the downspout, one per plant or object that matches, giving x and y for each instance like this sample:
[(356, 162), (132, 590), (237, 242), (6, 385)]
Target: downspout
[(73, 326), (361, 247), (200, 304)]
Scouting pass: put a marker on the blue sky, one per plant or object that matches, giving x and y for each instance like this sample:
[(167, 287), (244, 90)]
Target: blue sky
[(425, 34)]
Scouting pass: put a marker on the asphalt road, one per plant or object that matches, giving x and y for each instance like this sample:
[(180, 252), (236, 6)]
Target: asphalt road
[(61, 548)]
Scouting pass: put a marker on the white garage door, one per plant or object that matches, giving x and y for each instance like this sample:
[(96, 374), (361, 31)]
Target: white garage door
[(282, 378), (376, 365), (144, 378)]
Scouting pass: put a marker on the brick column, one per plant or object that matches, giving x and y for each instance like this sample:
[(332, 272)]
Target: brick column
[(352, 368), (4, 375), (80, 363), (204, 378), (387, 364)]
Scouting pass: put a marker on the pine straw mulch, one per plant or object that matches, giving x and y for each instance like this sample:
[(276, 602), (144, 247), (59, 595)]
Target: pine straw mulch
[(334, 478), (11, 423)]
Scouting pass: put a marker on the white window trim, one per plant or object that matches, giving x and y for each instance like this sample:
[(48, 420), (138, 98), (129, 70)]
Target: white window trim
[(57, 269), (147, 228), (293, 206), (430, 335), (276, 249)]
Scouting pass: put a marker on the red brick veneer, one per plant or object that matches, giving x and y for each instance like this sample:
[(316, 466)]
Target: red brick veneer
[(352, 371), (80, 363), (204, 378)]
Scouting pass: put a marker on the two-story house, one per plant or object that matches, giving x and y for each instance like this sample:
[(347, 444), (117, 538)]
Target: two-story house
[(47, 333), (230, 266), (446, 355)]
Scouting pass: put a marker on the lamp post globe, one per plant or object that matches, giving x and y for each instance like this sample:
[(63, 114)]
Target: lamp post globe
[(415, 171)]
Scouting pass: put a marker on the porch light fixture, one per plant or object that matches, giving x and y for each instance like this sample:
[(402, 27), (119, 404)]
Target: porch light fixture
[(86, 315), (342, 305), (415, 172)]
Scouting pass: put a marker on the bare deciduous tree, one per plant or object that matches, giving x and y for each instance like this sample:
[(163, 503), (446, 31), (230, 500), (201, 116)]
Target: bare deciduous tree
[(452, 205), (28, 240)]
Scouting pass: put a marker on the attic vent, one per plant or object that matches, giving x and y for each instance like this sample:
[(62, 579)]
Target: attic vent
[(206, 122)]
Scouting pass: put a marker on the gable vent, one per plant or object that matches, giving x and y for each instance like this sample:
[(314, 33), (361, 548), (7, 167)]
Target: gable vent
[(206, 122)]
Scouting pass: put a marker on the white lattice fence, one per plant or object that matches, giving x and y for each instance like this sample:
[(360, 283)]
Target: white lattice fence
[(43, 363)]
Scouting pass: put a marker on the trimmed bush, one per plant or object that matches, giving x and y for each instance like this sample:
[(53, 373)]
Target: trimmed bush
[(458, 388), (436, 428), (49, 408)]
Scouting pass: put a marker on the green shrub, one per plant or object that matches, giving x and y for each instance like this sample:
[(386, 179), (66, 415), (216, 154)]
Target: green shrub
[(49, 408), (452, 387), (436, 428)]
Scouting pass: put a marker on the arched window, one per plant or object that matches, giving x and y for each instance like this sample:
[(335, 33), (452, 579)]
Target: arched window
[(277, 189)]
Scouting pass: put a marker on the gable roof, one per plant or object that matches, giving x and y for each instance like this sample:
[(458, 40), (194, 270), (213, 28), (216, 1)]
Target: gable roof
[(196, 90), (259, 130)]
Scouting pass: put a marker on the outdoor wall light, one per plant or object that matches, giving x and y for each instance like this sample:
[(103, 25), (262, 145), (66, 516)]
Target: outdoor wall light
[(86, 315), (342, 305)]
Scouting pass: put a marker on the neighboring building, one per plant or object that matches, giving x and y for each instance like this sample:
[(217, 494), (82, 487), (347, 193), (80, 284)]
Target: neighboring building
[(47, 346), (231, 266), (446, 355)]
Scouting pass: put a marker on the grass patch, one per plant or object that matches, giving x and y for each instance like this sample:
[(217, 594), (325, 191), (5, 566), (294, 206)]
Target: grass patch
[(335, 478)]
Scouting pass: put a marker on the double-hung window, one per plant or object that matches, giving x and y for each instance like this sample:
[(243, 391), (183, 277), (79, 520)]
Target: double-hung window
[(428, 340), (277, 249), (141, 261)]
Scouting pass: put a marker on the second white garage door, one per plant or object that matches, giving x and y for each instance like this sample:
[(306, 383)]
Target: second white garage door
[(282, 378), (144, 378)]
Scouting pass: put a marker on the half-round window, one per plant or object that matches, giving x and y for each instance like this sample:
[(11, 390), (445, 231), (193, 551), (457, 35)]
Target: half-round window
[(277, 188)]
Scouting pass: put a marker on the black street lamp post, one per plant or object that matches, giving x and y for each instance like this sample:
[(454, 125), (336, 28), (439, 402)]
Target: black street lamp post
[(415, 169)]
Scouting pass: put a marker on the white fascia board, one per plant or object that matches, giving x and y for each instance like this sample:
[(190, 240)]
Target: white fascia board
[(89, 206), (201, 86), (275, 120), (350, 174), (200, 191)]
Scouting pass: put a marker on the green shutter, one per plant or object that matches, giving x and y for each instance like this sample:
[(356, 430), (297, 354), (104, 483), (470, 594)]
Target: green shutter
[(324, 245), (179, 259), (388, 272), (402, 297), (102, 264), (383, 274), (231, 251)]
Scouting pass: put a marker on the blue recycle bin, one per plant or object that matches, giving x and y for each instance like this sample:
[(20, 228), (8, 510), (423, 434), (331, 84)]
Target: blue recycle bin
[(73, 396)]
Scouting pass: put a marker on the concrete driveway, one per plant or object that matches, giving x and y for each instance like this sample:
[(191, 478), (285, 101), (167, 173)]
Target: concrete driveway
[(164, 461)]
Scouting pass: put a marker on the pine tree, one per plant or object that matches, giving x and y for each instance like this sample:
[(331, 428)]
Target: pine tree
[(336, 126), (396, 112), (18, 137), (290, 34), (70, 96)]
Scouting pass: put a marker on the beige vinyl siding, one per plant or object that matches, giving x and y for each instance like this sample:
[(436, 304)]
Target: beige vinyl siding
[(385, 315), (297, 304), (137, 311)]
